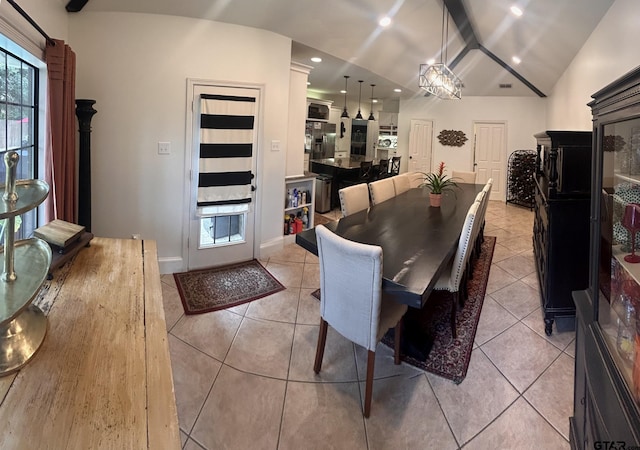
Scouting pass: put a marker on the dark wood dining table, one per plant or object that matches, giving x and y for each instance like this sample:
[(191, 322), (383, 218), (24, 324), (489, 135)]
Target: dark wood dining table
[(417, 240)]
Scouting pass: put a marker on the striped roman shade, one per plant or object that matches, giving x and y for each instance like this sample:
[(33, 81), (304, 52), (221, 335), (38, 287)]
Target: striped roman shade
[(226, 149)]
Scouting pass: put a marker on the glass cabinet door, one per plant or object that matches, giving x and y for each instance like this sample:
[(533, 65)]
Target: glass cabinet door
[(619, 261)]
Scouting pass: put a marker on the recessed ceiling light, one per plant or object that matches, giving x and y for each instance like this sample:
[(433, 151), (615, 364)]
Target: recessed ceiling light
[(516, 60), (308, 83), (316, 59), (397, 90), (385, 21), (431, 61), (516, 11), (375, 100), (342, 91)]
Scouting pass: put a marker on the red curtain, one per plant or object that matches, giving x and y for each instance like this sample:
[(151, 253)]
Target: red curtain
[(60, 148)]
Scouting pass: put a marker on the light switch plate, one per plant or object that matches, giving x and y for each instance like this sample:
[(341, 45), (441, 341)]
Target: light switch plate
[(275, 146), (164, 148)]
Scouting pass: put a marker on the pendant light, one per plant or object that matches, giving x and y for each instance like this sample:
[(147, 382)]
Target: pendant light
[(359, 115), (371, 116), (344, 111), (438, 79)]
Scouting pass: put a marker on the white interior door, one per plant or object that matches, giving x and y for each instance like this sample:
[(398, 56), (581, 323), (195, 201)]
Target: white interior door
[(420, 145), (490, 155), (224, 130)]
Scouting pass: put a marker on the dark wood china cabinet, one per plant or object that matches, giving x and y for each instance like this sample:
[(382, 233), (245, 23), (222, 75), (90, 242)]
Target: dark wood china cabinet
[(607, 366), (562, 190)]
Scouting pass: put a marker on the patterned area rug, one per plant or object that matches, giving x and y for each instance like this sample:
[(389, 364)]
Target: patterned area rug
[(427, 341), (218, 288)]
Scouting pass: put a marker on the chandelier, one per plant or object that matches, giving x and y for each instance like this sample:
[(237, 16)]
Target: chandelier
[(437, 79)]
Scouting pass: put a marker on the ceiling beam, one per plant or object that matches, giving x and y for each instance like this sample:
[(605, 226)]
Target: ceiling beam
[(461, 19), (463, 24), (510, 69), (75, 5)]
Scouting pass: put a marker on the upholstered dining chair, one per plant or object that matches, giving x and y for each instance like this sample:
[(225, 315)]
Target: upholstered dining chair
[(381, 190), (487, 191), (415, 179), (395, 165), (475, 242), (401, 183), (454, 275), (352, 300), (461, 176), (353, 199)]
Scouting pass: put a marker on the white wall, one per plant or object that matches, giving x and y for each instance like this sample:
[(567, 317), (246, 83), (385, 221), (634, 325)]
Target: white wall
[(136, 67), (524, 117), (610, 52), (50, 15), (297, 119)]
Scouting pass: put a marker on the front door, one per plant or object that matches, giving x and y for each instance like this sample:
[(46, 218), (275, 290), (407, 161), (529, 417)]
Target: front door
[(420, 140), (489, 155), (224, 130)]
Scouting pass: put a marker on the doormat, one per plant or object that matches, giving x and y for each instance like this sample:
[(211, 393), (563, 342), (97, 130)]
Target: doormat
[(426, 335), (207, 290)]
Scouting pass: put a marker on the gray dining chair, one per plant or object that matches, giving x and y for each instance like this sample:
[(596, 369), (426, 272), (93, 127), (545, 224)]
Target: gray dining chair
[(381, 190), (461, 176), (353, 199), (352, 300), (401, 183), (454, 274)]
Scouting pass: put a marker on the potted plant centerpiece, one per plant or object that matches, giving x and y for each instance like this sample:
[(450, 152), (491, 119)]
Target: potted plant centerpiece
[(438, 182)]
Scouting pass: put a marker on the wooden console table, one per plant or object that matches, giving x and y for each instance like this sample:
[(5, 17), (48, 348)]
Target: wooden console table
[(102, 378)]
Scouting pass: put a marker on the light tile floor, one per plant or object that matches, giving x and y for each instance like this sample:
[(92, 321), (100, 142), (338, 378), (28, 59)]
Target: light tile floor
[(244, 376)]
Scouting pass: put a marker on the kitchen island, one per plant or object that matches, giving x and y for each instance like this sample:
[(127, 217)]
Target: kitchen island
[(339, 169)]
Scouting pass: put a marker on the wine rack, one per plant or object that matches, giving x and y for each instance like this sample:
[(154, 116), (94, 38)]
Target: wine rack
[(520, 181)]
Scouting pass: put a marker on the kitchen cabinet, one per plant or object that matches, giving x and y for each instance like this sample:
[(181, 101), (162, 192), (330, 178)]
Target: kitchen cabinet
[(606, 412)]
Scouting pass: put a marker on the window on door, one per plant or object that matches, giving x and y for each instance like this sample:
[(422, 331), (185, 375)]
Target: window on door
[(19, 124), (222, 225)]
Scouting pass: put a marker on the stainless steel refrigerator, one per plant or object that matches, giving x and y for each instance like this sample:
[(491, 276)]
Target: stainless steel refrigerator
[(321, 138)]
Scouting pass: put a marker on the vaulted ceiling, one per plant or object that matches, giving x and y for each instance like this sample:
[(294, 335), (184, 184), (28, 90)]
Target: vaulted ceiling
[(483, 36)]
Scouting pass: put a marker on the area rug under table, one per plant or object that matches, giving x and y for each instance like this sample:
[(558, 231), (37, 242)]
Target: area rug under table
[(427, 341), (207, 290)]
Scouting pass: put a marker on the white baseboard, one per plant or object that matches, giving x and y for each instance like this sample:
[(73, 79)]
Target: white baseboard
[(270, 247), (171, 264)]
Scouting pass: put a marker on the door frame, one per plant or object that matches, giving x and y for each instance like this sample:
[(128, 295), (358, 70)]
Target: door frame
[(505, 161), (189, 173)]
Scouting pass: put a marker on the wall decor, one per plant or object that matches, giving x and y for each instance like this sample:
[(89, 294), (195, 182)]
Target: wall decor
[(452, 138)]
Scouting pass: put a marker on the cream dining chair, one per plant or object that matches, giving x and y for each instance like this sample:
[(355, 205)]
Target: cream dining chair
[(487, 196), (415, 179), (353, 199), (460, 176), (401, 183), (382, 190), (454, 275), (352, 300)]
